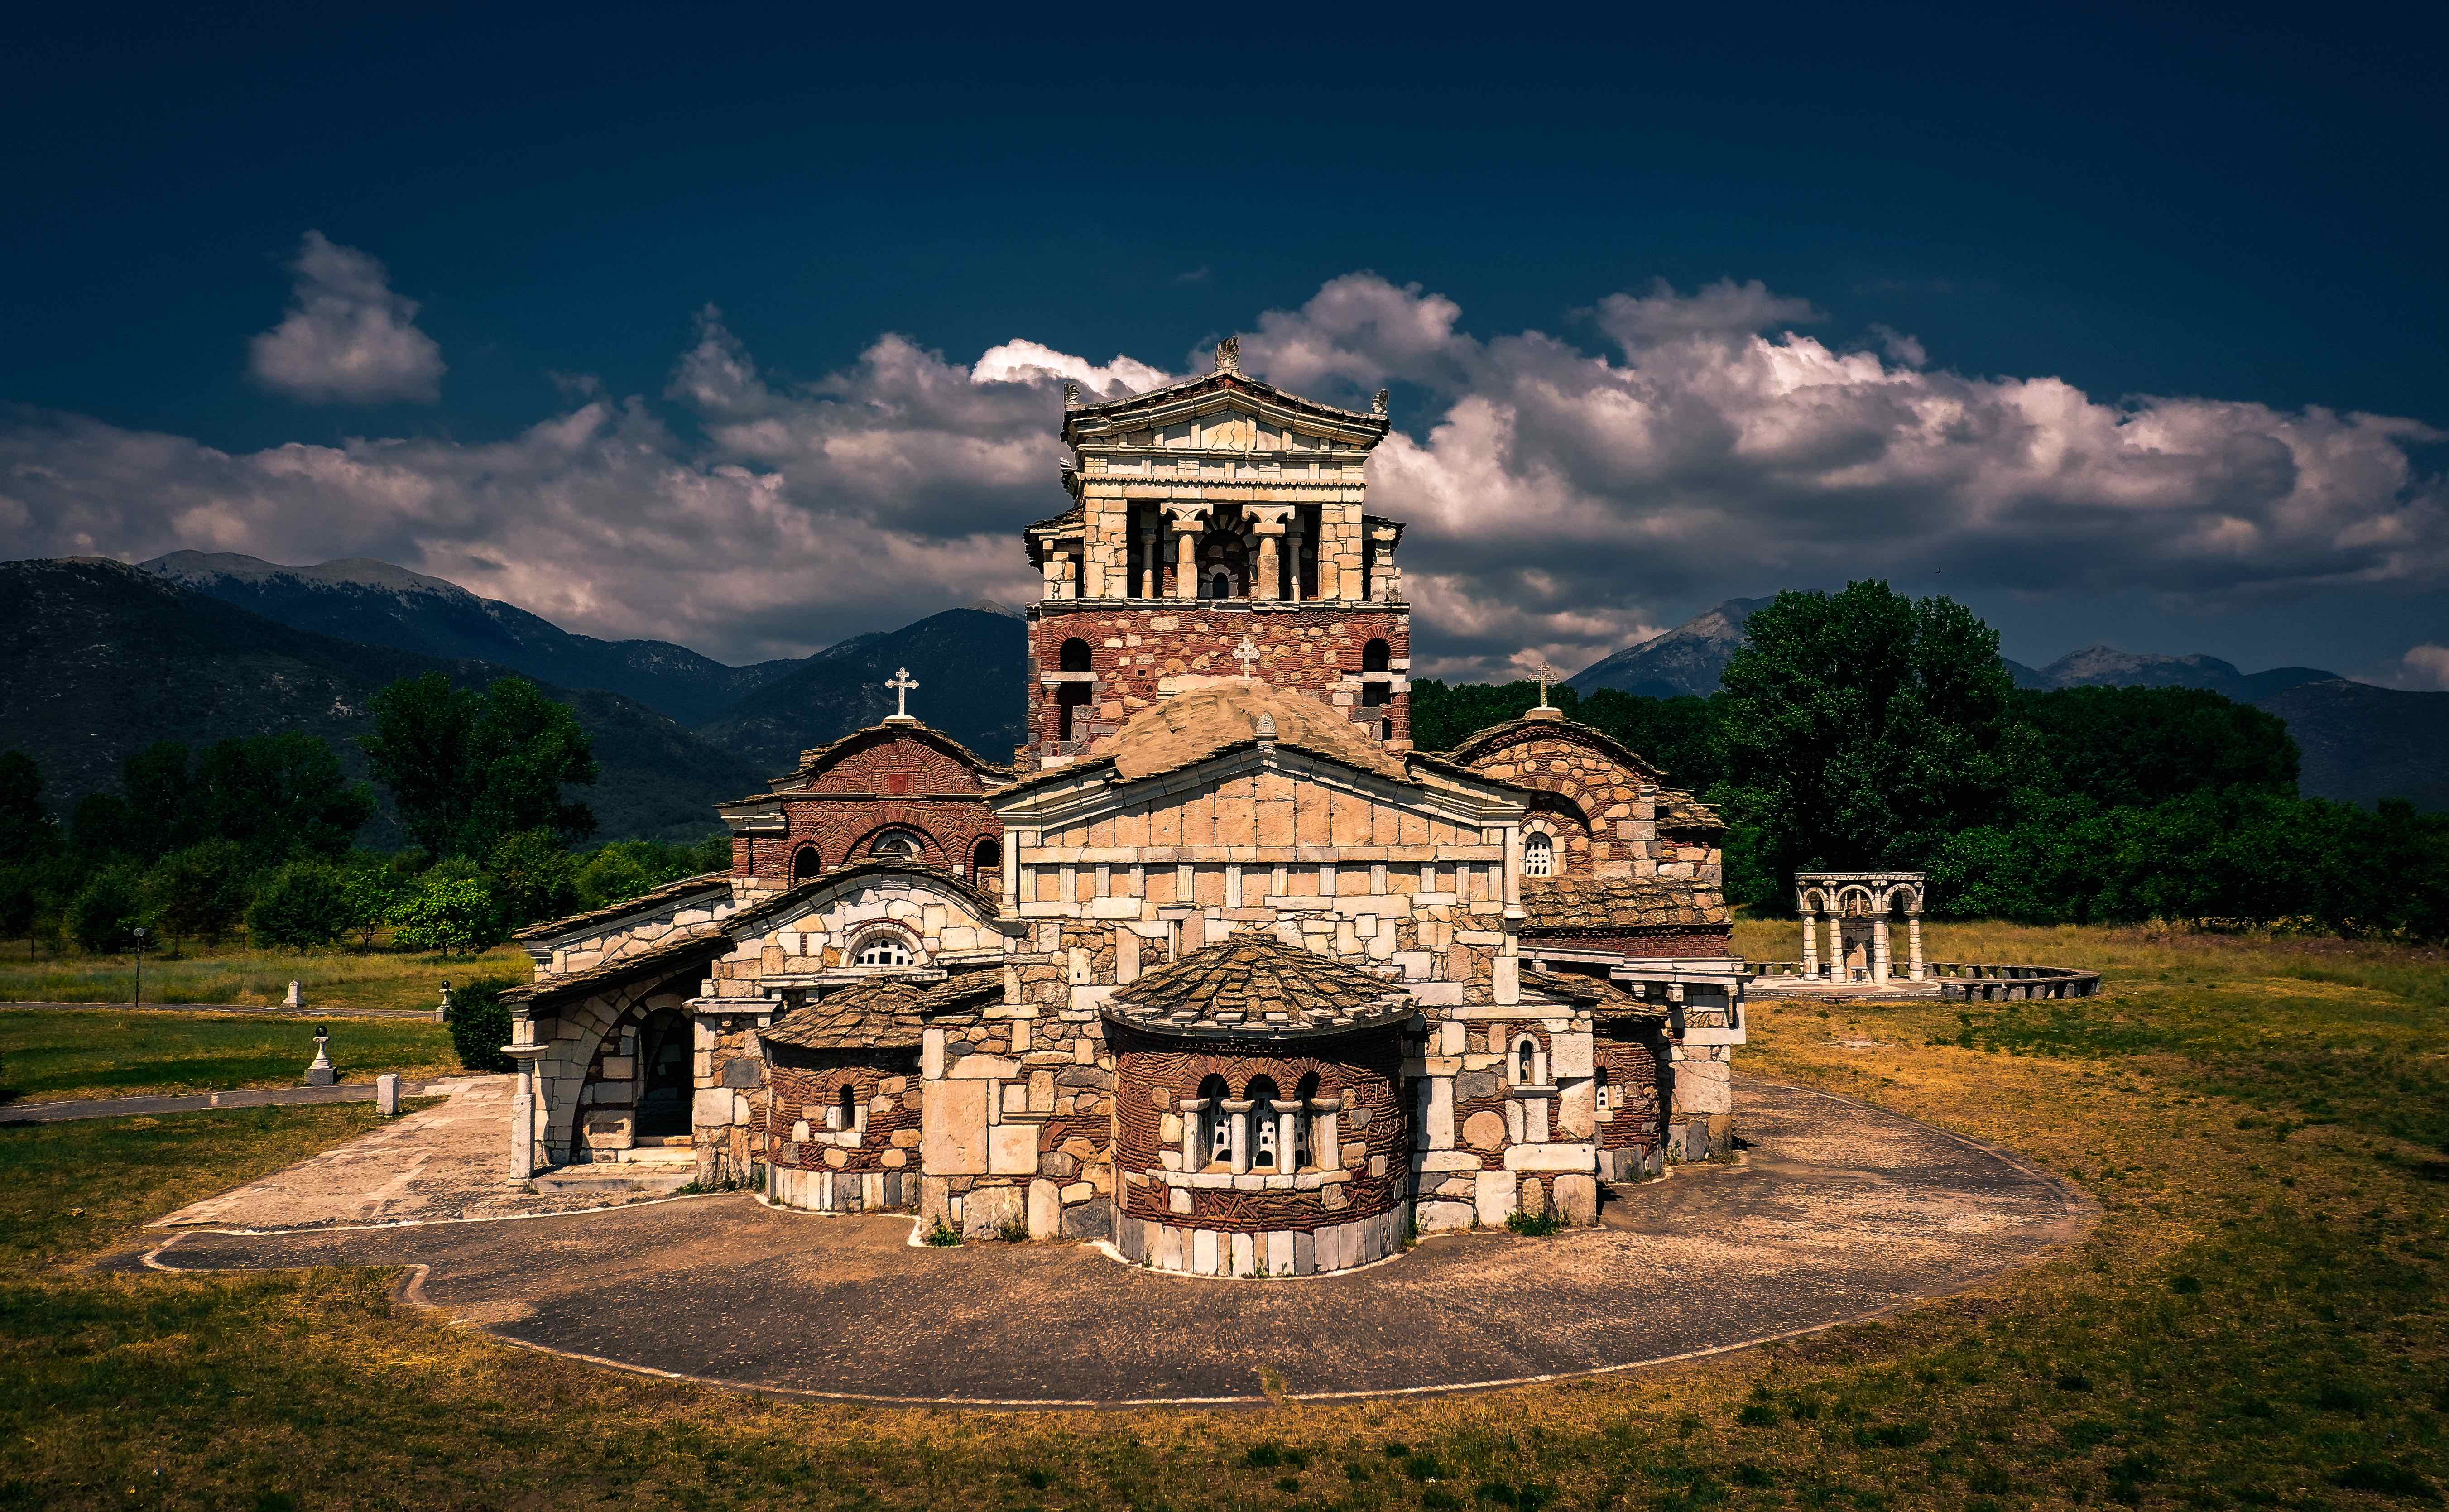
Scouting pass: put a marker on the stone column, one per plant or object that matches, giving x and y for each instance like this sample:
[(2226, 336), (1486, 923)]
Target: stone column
[(1194, 1154), (525, 1101), (1150, 571), (1293, 559), (1264, 576), (1241, 1115), (1288, 1117), (1878, 948), (1811, 942), (1326, 1142), (1912, 945), (1185, 555)]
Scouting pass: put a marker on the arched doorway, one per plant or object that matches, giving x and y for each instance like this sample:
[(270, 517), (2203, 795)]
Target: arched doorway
[(666, 1073)]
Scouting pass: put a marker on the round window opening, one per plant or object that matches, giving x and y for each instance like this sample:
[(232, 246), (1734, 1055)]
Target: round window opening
[(896, 844), (884, 950)]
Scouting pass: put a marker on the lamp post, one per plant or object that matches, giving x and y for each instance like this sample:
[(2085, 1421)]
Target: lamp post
[(140, 965)]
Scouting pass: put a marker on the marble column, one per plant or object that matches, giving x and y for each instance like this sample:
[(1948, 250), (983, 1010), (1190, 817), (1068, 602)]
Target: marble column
[(1150, 571), (1194, 1153), (1288, 1117), (1293, 559), (1241, 1115), (1811, 942), (1326, 1148), (1186, 557), (1912, 945), (1879, 948)]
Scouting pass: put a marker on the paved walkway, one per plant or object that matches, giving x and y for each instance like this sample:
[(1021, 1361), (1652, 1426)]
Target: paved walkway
[(1842, 1211), (443, 1162), (197, 1103)]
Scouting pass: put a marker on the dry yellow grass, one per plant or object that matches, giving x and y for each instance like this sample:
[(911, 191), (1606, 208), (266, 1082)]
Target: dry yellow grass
[(2255, 1320)]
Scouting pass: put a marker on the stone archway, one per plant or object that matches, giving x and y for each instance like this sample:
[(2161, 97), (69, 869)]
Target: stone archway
[(666, 1074)]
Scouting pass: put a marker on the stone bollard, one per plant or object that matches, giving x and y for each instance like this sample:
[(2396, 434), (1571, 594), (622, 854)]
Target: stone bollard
[(296, 999), (320, 1071), (442, 1009), (387, 1095)]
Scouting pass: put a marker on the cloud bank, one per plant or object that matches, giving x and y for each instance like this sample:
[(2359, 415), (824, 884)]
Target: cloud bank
[(1565, 497), (347, 338)]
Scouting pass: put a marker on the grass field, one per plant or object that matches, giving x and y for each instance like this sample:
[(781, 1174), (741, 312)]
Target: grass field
[(2256, 1321), (329, 979), (52, 1053)]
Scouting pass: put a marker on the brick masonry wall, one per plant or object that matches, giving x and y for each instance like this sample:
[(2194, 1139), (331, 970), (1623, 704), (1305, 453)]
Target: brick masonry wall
[(895, 781), (798, 1097), (1316, 651), (1484, 1095), (1154, 1074), (1632, 1080), (1603, 815)]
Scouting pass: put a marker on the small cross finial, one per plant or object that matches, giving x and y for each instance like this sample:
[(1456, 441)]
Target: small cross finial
[(1544, 671), (1247, 653), (902, 683), (1228, 355)]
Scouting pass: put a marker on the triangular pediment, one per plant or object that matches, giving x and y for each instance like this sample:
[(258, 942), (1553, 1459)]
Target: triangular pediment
[(1222, 411)]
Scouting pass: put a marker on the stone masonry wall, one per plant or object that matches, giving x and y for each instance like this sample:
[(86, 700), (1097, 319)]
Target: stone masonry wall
[(1614, 829)]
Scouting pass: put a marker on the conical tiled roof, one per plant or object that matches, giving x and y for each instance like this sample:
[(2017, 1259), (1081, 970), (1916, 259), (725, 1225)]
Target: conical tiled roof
[(1254, 986)]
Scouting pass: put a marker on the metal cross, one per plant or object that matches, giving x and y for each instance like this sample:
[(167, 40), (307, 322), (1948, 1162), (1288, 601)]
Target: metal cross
[(1247, 653), (902, 683), (1546, 673)]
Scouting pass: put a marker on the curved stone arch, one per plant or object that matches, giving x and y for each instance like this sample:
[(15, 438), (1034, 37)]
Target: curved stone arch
[(579, 1031), (1911, 892), (1813, 900), (1850, 894), (931, 850), (875, 932)]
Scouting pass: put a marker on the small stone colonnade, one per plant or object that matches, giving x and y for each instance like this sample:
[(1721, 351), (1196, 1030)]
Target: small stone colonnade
[(1857, 905)]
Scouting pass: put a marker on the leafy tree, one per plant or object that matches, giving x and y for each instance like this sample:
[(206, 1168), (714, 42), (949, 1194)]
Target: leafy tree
[(201, 892), (2121, 746), (450, 912), (103, 824), (27, 829), (279, 795), (533, 876), (466, 769), (481, 1024), (104, 913), (1864, 728), (625, 868), (157, 785), (21, 904), (1679, 736), (375, 886), (303, 904)]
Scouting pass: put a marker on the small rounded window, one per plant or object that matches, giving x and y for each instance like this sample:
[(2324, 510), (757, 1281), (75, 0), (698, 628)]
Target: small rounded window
[(1538, 856), (884, 950), (896, 844)]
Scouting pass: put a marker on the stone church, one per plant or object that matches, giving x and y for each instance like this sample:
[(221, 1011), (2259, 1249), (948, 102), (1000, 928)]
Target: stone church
[(1220, 970)]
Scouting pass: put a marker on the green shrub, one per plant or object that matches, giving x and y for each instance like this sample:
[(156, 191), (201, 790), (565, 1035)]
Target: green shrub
[(106, 911), (300, 905), (201, 892), (532, 876), (1534, 1225), (481, 1024), (450, 912)]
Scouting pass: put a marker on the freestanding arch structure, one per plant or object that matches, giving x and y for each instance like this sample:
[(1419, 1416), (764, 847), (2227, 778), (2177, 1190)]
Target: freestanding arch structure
[(1857, 905)]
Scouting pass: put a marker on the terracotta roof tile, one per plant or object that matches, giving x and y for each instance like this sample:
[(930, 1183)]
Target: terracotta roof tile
[(1597, 904), (1189, 727), (645, 901), (1255, 986), (888, 1013)]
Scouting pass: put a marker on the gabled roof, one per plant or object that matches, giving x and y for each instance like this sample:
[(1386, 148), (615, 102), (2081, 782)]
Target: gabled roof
[(646, 903), (701, 944), (1189, 727), (1601, 904), (1480, 742), (1159, 404), (814, 762), (748, 920), (1257, 987), (890, 1013)]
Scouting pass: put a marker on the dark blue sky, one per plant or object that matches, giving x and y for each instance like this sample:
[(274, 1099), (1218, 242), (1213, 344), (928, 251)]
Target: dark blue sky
[(2168, 202)]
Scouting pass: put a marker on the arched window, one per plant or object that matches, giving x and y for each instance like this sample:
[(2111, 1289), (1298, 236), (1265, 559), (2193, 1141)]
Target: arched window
[(884, 950), (1265, 1121), (1525, 1062), (1069, 699), (846, 1108), (1304, 1125), (1076, 655), (1220, 585), (1539, 855), (1216, 1125), (896, 845), (1376, 657), (986, 864), (805, 863), (1602, 1090)]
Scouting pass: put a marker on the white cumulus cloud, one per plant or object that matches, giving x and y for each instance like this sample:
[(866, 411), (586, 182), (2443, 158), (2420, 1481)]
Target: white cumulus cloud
[(2427, 667), (348, 338)]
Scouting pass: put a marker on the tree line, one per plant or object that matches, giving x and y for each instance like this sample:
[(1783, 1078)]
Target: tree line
[(1866, 729), (258, 836)]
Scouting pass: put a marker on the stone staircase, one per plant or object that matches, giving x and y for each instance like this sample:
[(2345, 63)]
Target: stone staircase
[(656, 1165)]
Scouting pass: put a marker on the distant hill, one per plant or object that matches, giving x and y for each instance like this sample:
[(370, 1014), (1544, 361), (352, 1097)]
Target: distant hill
[(379, 604), (99, 659), (1688, 659), (971, 665), (2107, 667), (2362, 743)]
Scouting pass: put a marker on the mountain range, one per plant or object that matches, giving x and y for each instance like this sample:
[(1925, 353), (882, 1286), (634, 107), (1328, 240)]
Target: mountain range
[(2360, 743)]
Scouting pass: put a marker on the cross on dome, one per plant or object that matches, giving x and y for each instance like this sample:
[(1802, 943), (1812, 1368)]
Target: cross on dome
[(902, 683), (1247, 653)]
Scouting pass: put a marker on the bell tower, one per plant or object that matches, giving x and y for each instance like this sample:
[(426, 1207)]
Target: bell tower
[(1206, 514)]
